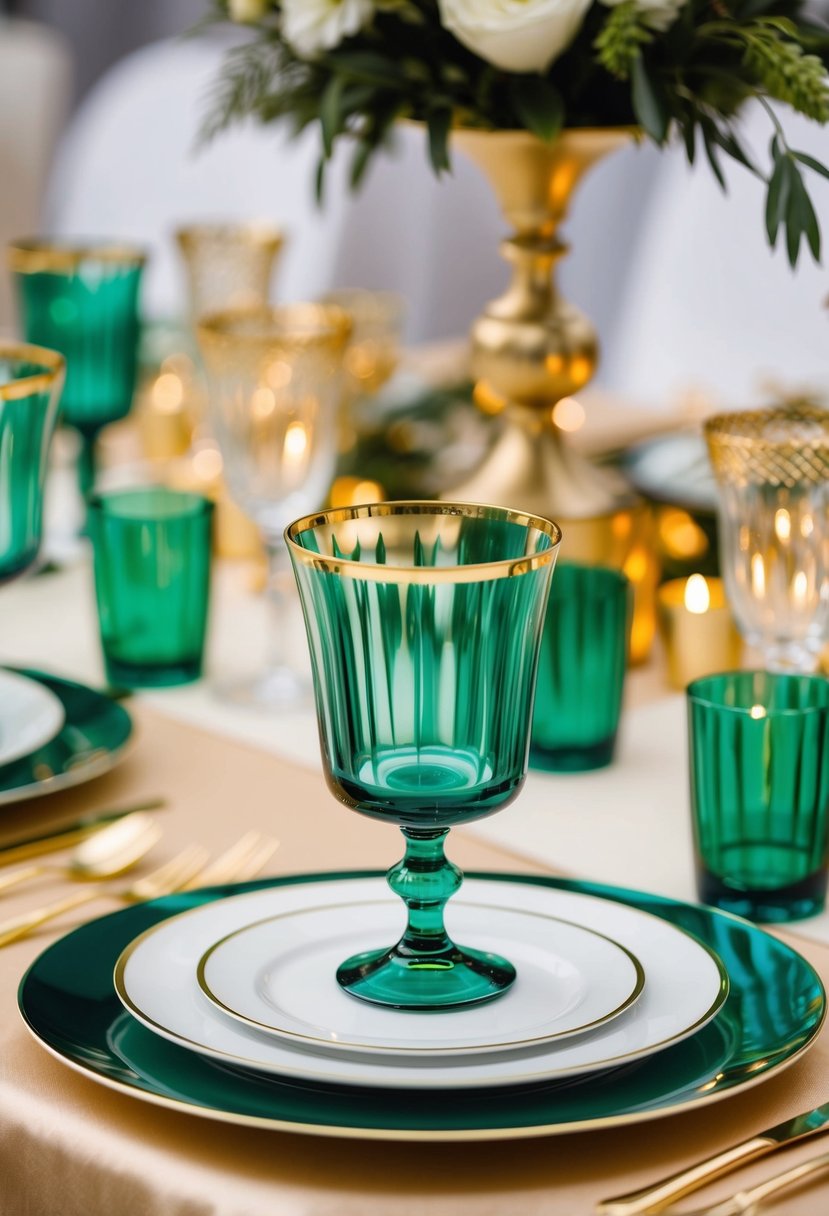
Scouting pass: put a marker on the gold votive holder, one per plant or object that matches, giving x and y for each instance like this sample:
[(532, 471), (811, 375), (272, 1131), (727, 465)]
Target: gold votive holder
[(697, 629)]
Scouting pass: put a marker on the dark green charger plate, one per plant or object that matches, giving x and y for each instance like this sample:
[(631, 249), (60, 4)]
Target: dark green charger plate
[(774, 1010), (91, 741)]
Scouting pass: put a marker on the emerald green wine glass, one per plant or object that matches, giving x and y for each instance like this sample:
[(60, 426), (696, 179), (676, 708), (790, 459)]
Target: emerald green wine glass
[(82, 300), (31, 379), (424, 624)]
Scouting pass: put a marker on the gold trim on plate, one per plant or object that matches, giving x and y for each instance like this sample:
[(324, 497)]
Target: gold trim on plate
[(437, 1052)]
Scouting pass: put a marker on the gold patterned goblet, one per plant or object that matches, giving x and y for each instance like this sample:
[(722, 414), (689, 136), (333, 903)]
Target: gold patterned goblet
[(274, 379), (772, 470), (228, 265)]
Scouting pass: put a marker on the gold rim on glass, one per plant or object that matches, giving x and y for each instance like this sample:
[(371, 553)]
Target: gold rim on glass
[(287, 326), (258, 236), (783, 445), (51, 367), (40, 255), (476, 572)]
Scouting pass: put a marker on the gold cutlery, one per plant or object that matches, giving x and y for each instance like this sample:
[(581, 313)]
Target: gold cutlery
[(186, 871), (23, 848), (105, 854), (657, 1196), (746, 1203)]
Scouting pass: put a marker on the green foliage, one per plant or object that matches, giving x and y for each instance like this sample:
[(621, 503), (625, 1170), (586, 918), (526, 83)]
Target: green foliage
[(689, 80), (621, 39)]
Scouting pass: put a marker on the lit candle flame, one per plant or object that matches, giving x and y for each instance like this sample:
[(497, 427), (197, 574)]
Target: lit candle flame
[(782, 524), (697, 595), (296, 441)]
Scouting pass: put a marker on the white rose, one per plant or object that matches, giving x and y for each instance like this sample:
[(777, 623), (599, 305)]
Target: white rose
[(516, 35), (658, 14), (311, 26)]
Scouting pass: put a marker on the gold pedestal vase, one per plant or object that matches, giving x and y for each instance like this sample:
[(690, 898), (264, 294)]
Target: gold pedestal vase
[(531, 349)]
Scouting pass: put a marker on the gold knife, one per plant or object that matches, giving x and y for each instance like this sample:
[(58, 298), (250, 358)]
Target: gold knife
[(23, 847), (657, 1196)]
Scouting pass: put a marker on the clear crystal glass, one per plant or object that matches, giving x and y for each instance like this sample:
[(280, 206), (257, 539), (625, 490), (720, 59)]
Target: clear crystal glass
[(274, 378), (772, 470)]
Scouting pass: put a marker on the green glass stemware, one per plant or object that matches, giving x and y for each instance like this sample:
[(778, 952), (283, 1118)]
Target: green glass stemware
[(83, 301), (31, 379), (424, 624)]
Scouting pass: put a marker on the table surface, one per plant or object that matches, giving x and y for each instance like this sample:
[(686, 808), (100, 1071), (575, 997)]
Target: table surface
[(67, 1146)]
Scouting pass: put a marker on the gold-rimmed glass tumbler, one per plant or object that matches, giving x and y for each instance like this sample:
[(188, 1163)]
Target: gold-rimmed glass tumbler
[(82, 299), (772, 471), (424, 623), (274, 381), (31, 380)]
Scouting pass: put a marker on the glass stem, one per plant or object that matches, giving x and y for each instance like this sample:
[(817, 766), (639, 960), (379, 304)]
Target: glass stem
[(279, 572), (425, 879), (87, 463)]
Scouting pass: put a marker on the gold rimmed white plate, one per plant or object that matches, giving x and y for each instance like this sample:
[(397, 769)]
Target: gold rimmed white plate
[(68, 1001), (278, 977), (686, 986)]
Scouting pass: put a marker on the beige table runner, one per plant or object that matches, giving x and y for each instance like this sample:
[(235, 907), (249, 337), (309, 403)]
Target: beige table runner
[(69, 1147)]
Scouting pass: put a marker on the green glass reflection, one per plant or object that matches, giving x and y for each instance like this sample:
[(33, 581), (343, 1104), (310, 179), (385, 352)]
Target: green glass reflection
[(83, 302), (424, 676), (30, 383), (774, 1010), (759, 758), (152, 581), (581, 672)]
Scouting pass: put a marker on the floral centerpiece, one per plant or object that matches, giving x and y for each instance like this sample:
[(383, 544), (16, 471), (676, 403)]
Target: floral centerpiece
[(668, 67)]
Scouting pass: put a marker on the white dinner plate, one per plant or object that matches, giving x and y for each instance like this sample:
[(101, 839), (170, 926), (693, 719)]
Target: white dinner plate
[(30, 715), (155, 978), (278, 976)]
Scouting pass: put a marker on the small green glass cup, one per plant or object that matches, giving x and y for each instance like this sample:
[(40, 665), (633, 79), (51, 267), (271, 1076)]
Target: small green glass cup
[(424, 624), (31, 379), (759, 766), (152, 582), (82, 300), (581, 671)]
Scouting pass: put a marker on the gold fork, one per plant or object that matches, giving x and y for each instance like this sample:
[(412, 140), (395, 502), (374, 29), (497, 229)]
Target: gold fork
[(746, 1203), (184, 872)]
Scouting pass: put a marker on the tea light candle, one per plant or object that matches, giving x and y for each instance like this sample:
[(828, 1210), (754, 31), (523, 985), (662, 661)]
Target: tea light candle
[(697, 628)]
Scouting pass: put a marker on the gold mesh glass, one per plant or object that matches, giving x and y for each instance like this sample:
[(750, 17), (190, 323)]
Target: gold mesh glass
[(772, 470)]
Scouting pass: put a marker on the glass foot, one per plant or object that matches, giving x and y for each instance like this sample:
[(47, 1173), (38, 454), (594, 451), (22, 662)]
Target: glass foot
[(279, 688), (438, 981)]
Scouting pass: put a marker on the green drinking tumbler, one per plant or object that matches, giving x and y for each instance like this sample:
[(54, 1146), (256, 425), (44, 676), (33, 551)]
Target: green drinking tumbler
[(759, 767), (152, 581), (581, 670)]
